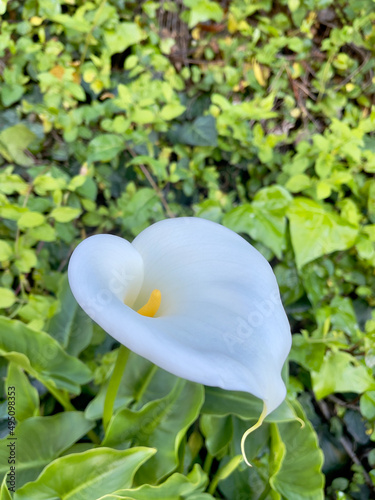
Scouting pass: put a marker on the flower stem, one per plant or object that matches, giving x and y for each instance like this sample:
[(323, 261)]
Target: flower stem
[(114, 384)]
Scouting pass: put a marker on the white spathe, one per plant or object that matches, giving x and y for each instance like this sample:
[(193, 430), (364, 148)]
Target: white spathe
[(221, 321)]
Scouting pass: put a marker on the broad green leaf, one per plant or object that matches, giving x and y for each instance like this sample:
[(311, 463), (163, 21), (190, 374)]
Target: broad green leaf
[(202, 11), (161, 424), (142, 116), (71, 326), (105, 147), (341, 372), (202, 132), (142, 381), (13, 141), (5, 251), (220, 402), (218, 432), (10, 94), (298, 461), (12, 183), (264, 219), (309, 353), (7, 298), (3, 9), (26, 398), (41, 355), (171, 111), (316, 232), (25, 260), (4, 491), (86, 475), (226, 469), (367, 405), (40, 440), (122, 37), (30, 219), (65, 214), (175, 487)]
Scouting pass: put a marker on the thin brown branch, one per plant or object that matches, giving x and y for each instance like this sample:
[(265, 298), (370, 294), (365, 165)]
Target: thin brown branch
[(157, 190)]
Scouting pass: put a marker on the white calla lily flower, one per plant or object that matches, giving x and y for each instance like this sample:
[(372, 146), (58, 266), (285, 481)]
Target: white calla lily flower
[(220, 321)]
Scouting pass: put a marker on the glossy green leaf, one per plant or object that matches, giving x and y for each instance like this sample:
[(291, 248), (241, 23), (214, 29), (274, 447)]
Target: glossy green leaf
[(218, 432), (26, 398), (175, 487), (30, 219), (264, 219), (202, 132), (125, 35), (40, 440), (90, 474), (65, 214), (161, 424), (341, 372), (298, 460), (316, 232), (13, 141), (367, 405), (7, 298), (71, 327), (4, 491), (41, 356), (5, 251), (105, 147), (202, 11)]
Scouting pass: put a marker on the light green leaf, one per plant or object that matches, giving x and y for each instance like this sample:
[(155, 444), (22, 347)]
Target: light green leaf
[(5, 251), (316, 232), (71, 326), (26, 398), (105, 147), (175, 487), (45, 232), (341, 372), (202, 11), (142, 116), (171, 111), (3, 6), (12, 183), (30, 219), (65, 214), (160, 424), (367, 405), (225, 471), (25, 260), (40, 440), (298, 183), (122, 37), (42, 356), (11, 93), (297, 460), (4, 492), (13, 141), (90, 474), (7, 298), (264, 219)]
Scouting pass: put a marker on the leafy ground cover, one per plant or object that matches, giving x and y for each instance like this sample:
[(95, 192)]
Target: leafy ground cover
[(255, 114)]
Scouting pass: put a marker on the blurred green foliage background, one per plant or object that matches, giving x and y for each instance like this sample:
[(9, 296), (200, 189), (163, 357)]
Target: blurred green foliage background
[(255, 114)]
